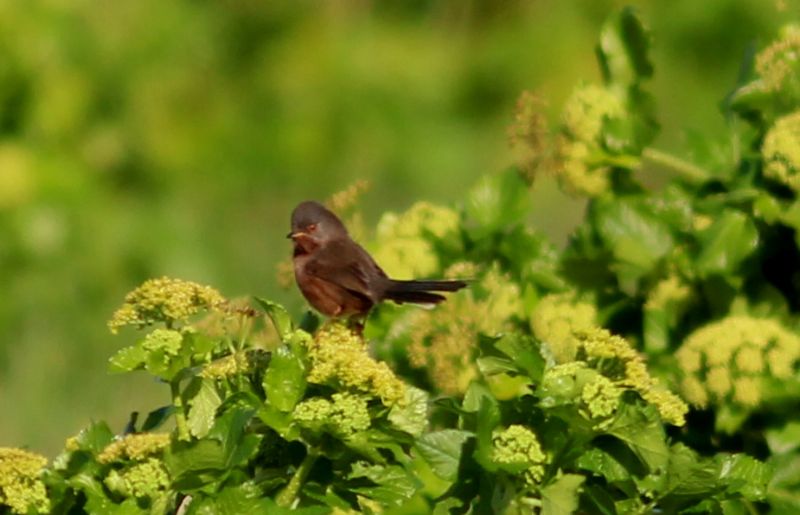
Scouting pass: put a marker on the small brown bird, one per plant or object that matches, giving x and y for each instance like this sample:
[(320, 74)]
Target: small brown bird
[(338, 277)]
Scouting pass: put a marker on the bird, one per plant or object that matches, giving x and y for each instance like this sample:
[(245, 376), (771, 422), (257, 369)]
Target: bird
[(339, 278)]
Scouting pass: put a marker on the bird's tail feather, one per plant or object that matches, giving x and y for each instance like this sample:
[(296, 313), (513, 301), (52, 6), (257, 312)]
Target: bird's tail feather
[(420, 291)]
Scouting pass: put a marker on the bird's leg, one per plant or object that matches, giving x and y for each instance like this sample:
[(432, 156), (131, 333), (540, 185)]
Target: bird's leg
[(356, 324)]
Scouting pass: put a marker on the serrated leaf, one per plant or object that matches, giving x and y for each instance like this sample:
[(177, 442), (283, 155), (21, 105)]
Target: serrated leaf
[(95, 437), (127, 359), (412, 415), (642, 431), (599, 462), (636, 237), (442, 451), (194, 464), (561, 496), (524, 352), (744, 475), (495, 202), (393, 485), (730, 239), (202, 408), (284, 381), (279, 316)]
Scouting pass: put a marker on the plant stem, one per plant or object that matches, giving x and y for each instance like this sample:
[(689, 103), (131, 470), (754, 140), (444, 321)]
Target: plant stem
[(180, 416), (289, 494), (682, 167)]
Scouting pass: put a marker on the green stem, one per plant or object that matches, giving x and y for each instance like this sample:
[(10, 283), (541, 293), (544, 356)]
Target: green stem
[(683, 168), (288, 496), (180, 416)]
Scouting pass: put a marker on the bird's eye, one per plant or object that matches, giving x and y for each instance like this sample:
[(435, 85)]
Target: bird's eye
[(311, 228)]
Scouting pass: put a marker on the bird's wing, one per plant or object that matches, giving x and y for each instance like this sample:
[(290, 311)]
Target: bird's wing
[(347, 264)]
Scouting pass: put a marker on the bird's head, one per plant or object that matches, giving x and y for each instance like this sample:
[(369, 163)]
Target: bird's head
[(313, 225)]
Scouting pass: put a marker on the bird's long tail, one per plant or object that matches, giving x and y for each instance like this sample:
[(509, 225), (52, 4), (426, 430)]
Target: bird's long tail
[(421, 291)]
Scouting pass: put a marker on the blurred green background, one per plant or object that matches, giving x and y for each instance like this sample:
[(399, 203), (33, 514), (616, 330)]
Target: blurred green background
[(147, 138)]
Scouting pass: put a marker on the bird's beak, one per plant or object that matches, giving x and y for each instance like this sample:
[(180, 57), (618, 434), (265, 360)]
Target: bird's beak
[(290, 235), (294, 235)]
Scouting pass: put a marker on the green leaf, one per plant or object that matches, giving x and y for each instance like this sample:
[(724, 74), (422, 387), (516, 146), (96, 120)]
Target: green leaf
[(393, 485), (784, 489), (203, 407), (284, 381), (194, 464), (623, 48), (524, 352), (95, 438), (730, 239), (157, 417), (599, 462), (412, 415), (636, 237), (641, 429), (488, 418), (127, 359), (784, 440), (561, 496), (279, 316), (496, 202), (229, 428), (442, 451), (744, 475)]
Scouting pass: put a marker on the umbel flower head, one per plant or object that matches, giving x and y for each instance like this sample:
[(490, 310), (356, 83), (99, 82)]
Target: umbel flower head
[(144, 479), (605, 367), (728, 360), (164, 300), (556, 320), (516, 449), (135, 447), (21, 488), (343, 415), (579, 145), (339, 357), (778, 65), (444, 340), (405, 242), (781, 151)]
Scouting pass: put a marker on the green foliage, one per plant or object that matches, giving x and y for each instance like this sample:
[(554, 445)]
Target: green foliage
[(548, 386)]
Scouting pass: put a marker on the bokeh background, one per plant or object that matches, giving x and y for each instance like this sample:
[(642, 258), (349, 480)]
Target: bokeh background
[(147, 138)]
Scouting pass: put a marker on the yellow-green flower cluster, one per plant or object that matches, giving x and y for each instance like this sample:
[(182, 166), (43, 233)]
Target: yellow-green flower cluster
[(443, 340), (518, 448), (21, 487), (232, 365), (778, 65), (529, 135), (579, 143), (339, 355), (555, 321), (726, 361), (781, 151), (135, 447), (597, 395), (614, 357), (344, 415), (605, 367), (167, 341), (404, 242), (145, 479), (164, 300), (668, 292)]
